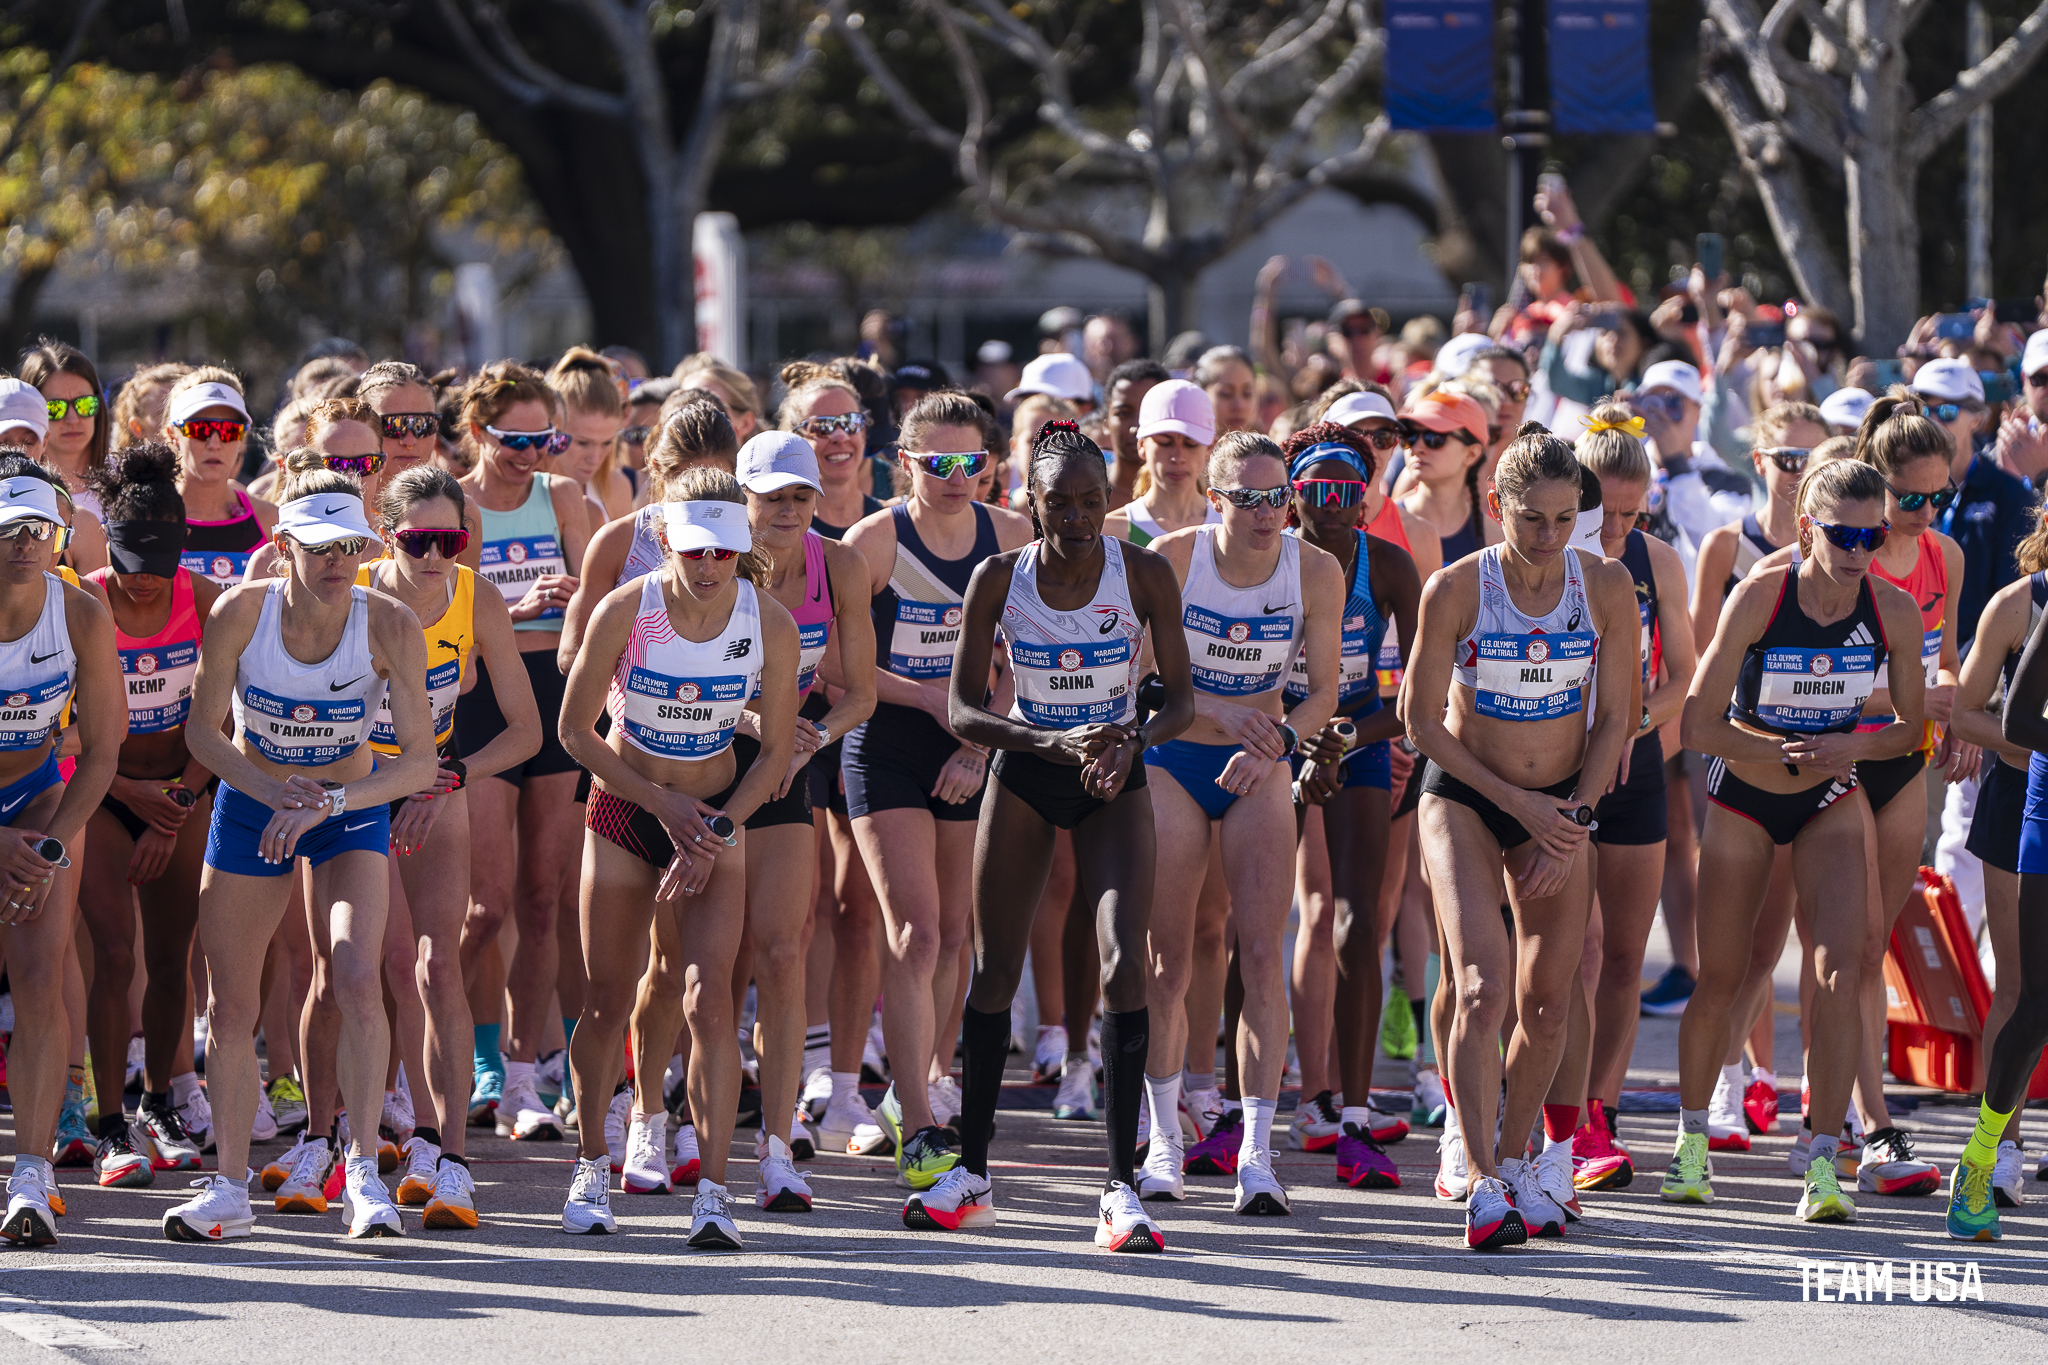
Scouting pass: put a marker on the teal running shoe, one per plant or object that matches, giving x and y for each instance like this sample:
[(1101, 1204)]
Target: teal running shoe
[(1972, 1211)]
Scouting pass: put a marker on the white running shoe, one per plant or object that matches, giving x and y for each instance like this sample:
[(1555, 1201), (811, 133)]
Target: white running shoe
[(1161, 1177), (589, 1208), (197, 1116), (304, 1187), (366, 1205), (1076, 1097), (1050, 1056), (263, 1128), (781, 1188), (549, 1074), (1727, 1127), (2009, 1176), (1316, 1125), (616, 1115), (521, 1115), (171, 1148), (422, 1159), (1553, 1171), (958, 1199), (1259, 1191), (943, 1095), (817, 1093), (645, 1169), (873, 1059), (1542, 1216), (220, 1210), (1453, 1177), (845, 1115), (454, 1201), (30, 1222), (1124, 1224), (685, 1160), (398, 1121), (1199, 1110), (711, 1225)]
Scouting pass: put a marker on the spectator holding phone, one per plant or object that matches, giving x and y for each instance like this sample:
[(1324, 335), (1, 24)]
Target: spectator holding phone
[(1621, 343), (2023, 436)]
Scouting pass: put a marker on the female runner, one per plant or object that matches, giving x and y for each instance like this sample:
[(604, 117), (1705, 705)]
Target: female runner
[(59, 645), (76, 445), (1447, 443), (825, 410), (1226, 376), (206, 421), (1331, 468), (680, 652), (1799, 651), (593, 411), (913, 788), (149, 834), (313, 654), (534, 533), (1074, 606), (1254, 599), (408, 426), (1513, 765), (1176, 427)]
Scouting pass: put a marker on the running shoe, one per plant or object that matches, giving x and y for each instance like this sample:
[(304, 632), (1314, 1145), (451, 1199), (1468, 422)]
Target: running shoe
[(548, 1075), (1453, 1176), (845, 1115), (1385, 1128), (1542, 1216), (889, 1115), (1796, 1159), (1821, 1199), (1259, 1192), (31, 1213), (453, 1205), (2008, 1179), (288, 1102), (816, 1097), (589, 1207), (138, 1057), (366, 1206), (922, 1160), (1972, 1203), (422, 1163), (1690, 1177), (711, 1225), (1199, 1110), (1076, 1097), (304, 1188), (1667, 998), (1491, 1220), (485, 1098), (263, 1128), (801, 1148), (1216, 1153), (645, 1169), (196, 1113), (1849, 1153), (1888, 1166), (617, 1115), (1553, 1171), (943, 1096), (685, 1163), (1124, 1225), (1760, 1107), (1428, 1107), (219, 1211), (780, 1188), (1159, 1176), (1727, 1125), (956, 1200), (523, 1118), (1397, 1027), (1362, 1163), (280, 1167), (1317, 1125), (386, 1150), (73, 1145), (397, 1122), (1597, 1164), (117, 1165), (163, 1133), (874, 1060), (1049, 1058)]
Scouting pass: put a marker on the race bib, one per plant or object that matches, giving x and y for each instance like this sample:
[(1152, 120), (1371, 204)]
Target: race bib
[(223, 567), (1534, 677), (444, 685), (1355, 668), (513, 564), (1237, 656), (159, 679), (303, 733), (924, 640), (1062, 686), (689, 718), (1812, 690)]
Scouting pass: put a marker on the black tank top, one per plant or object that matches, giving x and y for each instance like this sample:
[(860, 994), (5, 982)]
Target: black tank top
[(1751, 544), (1804, 678), (908, 724), (1467, 540), (220, 550), (1635, 557), (869, 505)]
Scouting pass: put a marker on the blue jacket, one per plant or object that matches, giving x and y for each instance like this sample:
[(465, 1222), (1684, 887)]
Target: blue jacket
[(1989, 518)]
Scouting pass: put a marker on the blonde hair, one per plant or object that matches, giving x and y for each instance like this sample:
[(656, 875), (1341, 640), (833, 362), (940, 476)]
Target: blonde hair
[(387, 375), (1236, 447), (204, 374), (695, 434), (735, 382), (304, 474), (2031, 554), (332, 412), (589, 383), (1769, 429), (1611, 453), (293, 423), (804, 378), (145, 389), (495, 388), (1825, 486), (702, 483)]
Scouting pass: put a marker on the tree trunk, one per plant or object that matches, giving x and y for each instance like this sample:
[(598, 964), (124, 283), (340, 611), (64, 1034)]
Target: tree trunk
[(1884, 245), (1172, 295)]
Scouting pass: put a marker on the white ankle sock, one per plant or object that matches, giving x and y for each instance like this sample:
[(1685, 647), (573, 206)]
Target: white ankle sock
[(1258, 1131), (845, 1083), (1165, 1097)]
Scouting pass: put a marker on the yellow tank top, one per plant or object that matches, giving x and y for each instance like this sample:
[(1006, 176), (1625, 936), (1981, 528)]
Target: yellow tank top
[(64, 572), (450, 641)]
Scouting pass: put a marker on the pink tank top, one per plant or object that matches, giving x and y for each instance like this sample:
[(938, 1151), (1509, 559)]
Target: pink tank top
[(813, 615), (158, 669)]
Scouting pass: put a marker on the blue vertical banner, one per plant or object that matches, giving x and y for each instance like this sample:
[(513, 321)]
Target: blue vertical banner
[(1440, 65), (1600, 66)]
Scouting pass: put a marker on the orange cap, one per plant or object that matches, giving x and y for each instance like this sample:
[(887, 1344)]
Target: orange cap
[(1446, 411)]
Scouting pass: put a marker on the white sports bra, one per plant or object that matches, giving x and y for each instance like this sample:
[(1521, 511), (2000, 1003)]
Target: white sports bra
[(1529, 667), (1240, 640), (38, 672), (677, 698), (1075, 667), (307, 715)]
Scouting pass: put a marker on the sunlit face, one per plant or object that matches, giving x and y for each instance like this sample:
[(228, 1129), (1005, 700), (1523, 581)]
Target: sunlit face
[(1070, 498), (1543, 276), (744, 423), (1511, 379), (210, 460), (1234, 395), (703, 578), (1328, 525), (1622, 501), (839, 452), (23, 558), (779, 519), (1960, 429), (956, 490), (1783, 484), (70, 437), (1927, 474), (591, 435), (1538, 523), (403, 451), (1446, 464), (515, 465), (1126, 396), (428, 514), (345, 440), (1255, 525), (1844, 566), (326, 569)]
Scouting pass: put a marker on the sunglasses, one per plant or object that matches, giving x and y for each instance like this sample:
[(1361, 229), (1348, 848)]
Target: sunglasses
[(418, 541), (352, 545), (2038, 381), (358, 465), (967, 462), (1436, 440), (1252, 498), (1517, 389), (1331, 492), (1942, 412), (34, 530), (1382, 439), (1788, 459), (226, 430), (418, 425), (849, 423), (714, 555), (1913, 502), (87, 406), (1855, 538), (550, 442), (635, 436)]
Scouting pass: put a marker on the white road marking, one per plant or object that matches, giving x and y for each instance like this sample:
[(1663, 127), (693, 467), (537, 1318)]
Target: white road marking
[(28, 1320)]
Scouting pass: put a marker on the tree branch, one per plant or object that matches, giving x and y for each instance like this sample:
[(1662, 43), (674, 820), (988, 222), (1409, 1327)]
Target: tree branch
[(517, 74), (1284, 45), (1329, 170), (900, 99), (1934, 122), (1366, 49), (86, 14), (1809, 108)]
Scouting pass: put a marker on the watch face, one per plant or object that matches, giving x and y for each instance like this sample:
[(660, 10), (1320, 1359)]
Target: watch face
[(1583, 815)]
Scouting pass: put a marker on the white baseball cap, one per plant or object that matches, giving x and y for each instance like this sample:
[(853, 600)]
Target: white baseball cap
[(28, 499), (778, 459), (23, 405), (1454, 358), (1356, 407), (1949, 381), (323, 518), (707, 525), (1675, 375), (2036, 358), (1845, 407), (200, 397), (1058, 375)]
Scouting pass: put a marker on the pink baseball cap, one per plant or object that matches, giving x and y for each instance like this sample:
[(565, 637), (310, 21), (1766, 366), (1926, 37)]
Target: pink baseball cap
[(1178, 406)]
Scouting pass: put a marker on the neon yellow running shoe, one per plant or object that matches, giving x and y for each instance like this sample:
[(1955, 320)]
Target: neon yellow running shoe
[(1689, 1179), (922, 1160), (1972, 1213), (1822, 1201), (1397, 1026)]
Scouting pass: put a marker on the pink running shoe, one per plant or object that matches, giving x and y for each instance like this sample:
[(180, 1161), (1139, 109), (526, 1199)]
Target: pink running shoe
[(1216, 1154), (1760, 1107), (1362, 1163), (1598, 1162)]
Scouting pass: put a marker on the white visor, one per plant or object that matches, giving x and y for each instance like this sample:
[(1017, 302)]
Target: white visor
[(707, 525), (1356, 407), (324, 518), (200, 397)]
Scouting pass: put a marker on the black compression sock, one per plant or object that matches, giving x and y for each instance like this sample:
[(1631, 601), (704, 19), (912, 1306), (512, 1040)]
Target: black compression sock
[(1125, 1036), (429, 1135), (113, 1123), (985, 1045), (1420, 1008)]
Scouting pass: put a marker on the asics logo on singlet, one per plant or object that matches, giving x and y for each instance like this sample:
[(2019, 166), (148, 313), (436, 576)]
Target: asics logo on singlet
[(1108, 624), (738, 649), (35, 658), (1572, 624), (343, 687)]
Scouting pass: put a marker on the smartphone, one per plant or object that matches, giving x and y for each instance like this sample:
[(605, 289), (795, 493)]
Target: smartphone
[(2021, 310), (1550, 182), (1707, 250), (1764, 334), (1955, 326), (1890, 372), (1480, 295), (1607, 319)]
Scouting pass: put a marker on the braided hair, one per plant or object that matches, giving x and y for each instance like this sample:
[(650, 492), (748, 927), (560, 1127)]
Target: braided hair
[(1057, 442)]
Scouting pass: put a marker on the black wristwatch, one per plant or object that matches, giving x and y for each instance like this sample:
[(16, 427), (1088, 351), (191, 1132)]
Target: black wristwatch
[(1291, 737), (461, 771), (1581, 815)]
